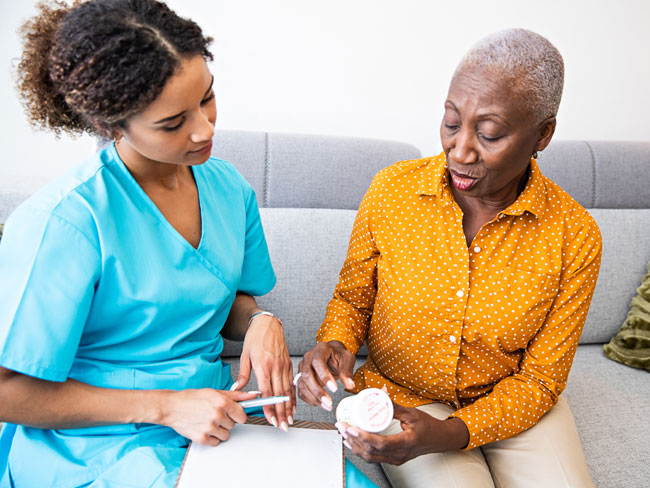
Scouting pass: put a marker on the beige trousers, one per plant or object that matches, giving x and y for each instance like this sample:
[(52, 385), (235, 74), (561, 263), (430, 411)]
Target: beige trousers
[(548, 454)]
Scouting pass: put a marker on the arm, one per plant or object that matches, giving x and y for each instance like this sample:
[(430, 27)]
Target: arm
[(204, 416), (517, 402), (348, 314), (265, 351)]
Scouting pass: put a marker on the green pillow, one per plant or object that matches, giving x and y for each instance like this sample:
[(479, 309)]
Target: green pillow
[(631, 345)]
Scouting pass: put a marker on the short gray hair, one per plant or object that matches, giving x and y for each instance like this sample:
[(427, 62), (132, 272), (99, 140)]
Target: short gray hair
[(526, 58)]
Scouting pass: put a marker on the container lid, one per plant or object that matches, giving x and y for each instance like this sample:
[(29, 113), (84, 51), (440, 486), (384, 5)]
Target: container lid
[(373, 410)]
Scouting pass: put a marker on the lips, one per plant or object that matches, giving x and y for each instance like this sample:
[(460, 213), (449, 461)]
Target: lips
[(462, 181), (204, 150)]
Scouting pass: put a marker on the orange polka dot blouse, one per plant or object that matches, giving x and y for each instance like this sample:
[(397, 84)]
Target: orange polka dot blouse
[(490, 329)]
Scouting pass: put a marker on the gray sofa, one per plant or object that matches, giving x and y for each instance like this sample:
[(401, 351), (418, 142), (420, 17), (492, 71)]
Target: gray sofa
[(309, 188)]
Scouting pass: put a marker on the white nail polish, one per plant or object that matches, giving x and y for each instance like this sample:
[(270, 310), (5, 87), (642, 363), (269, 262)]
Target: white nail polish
[(234, 386), (290, 419), (345, 443), (284, 426), (274, 421), (331, 386)]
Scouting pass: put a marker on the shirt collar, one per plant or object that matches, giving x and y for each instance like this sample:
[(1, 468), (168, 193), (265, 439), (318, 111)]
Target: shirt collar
[(435, 182)]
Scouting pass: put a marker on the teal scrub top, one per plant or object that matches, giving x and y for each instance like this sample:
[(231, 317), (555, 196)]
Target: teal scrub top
[(97, 286)]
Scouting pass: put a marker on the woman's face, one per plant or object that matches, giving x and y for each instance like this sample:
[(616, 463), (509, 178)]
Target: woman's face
[(177, 127), (488, 136)]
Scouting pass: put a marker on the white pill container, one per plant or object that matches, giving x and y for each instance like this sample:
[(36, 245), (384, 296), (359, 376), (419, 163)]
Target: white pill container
[(370, 410)]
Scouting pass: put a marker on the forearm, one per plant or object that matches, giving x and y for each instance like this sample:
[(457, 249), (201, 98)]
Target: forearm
[(241, 311), (72, 404)]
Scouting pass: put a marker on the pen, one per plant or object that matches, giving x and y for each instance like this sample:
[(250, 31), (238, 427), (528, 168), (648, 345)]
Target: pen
[(260, 402)]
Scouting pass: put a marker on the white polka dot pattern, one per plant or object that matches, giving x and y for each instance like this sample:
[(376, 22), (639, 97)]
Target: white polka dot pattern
[(491, 329)]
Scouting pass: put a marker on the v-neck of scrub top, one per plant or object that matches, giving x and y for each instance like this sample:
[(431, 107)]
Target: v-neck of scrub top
[(198, 181)]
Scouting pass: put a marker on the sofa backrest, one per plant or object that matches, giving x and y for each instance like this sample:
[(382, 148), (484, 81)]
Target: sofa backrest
[(309, 187), (308, 242)]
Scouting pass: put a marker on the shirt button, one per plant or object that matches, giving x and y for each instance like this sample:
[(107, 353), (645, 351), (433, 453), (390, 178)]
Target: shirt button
[(477, 249), (452, 339), (459, 293)]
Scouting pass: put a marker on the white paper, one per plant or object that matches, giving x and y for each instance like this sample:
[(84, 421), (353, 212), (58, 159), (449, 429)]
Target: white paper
[(266, 457)]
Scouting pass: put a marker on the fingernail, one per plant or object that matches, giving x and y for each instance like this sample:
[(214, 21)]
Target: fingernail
[(345, 443), (326, 401), (234, 386), (294, 410), (290, 418), (255, 391), (327, 406), (274, 421), (331, 386), (353, 432), (284, 426)]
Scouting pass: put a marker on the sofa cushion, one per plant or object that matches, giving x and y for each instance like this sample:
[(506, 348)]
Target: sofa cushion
[(610, 404), (626, 252), (631, 345), (600, 174), (307, 248), (308, 170)]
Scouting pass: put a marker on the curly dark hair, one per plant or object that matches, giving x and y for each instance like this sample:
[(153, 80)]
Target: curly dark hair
[(89, 66)]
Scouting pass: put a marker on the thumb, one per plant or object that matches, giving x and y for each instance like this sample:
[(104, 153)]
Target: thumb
[(401, 413), (244, 373), (238, 396)]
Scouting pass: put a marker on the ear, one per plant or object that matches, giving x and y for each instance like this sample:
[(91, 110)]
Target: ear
[(546, 131), (111, 133)]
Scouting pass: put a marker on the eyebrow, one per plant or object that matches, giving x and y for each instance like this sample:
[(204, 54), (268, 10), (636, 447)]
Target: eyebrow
[(172, 117), (480, 116)]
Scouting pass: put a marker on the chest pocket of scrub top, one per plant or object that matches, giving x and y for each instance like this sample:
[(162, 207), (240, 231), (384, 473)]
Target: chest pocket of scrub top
[(510, 306)]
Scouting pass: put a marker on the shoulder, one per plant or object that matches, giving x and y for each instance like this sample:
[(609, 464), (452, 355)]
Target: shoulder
[(225, 176), (406, 176), (563, 207), (404, 170), (69, 199)]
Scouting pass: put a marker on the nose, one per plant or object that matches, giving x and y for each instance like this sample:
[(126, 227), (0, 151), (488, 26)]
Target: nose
[(204, 128), (462, 149)]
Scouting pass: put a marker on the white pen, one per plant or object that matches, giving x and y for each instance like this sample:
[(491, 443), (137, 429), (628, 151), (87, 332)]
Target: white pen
[(260, 402)]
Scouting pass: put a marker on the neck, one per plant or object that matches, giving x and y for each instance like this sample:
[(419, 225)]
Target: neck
[(490, 205), (148, 172)]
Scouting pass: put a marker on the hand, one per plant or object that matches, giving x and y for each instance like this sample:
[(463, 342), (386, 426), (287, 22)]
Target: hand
[(265, 351), (322, 366), (205, 416), (421, 434)]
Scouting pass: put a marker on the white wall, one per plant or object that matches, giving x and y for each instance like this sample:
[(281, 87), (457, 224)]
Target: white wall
[(373, 68)]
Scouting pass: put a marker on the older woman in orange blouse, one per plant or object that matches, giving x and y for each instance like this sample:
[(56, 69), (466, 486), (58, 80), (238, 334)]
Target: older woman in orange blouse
[(469, 276)]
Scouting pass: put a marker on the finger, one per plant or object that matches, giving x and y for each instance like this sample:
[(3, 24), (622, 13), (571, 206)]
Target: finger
[(291, 391), (280, 408), (207, 440), (233, 409), (318, 395), (309, 388), (220, 433), (347, 370), (323, 373), (244, 373)]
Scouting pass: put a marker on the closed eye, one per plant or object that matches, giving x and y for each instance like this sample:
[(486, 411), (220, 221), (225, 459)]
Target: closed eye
[(208, 98), (175, 127)]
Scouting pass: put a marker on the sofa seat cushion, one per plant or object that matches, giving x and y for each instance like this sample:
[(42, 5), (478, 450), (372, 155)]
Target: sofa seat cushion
[(610, 404)]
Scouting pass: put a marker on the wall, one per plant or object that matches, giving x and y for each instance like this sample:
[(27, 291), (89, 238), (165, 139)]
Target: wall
[(372, 68)]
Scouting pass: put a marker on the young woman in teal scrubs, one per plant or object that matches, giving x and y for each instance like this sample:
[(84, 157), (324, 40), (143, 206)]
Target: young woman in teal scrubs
[(120, 278)]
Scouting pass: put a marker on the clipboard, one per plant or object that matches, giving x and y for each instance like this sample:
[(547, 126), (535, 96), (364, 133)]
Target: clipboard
[(182, 482)]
